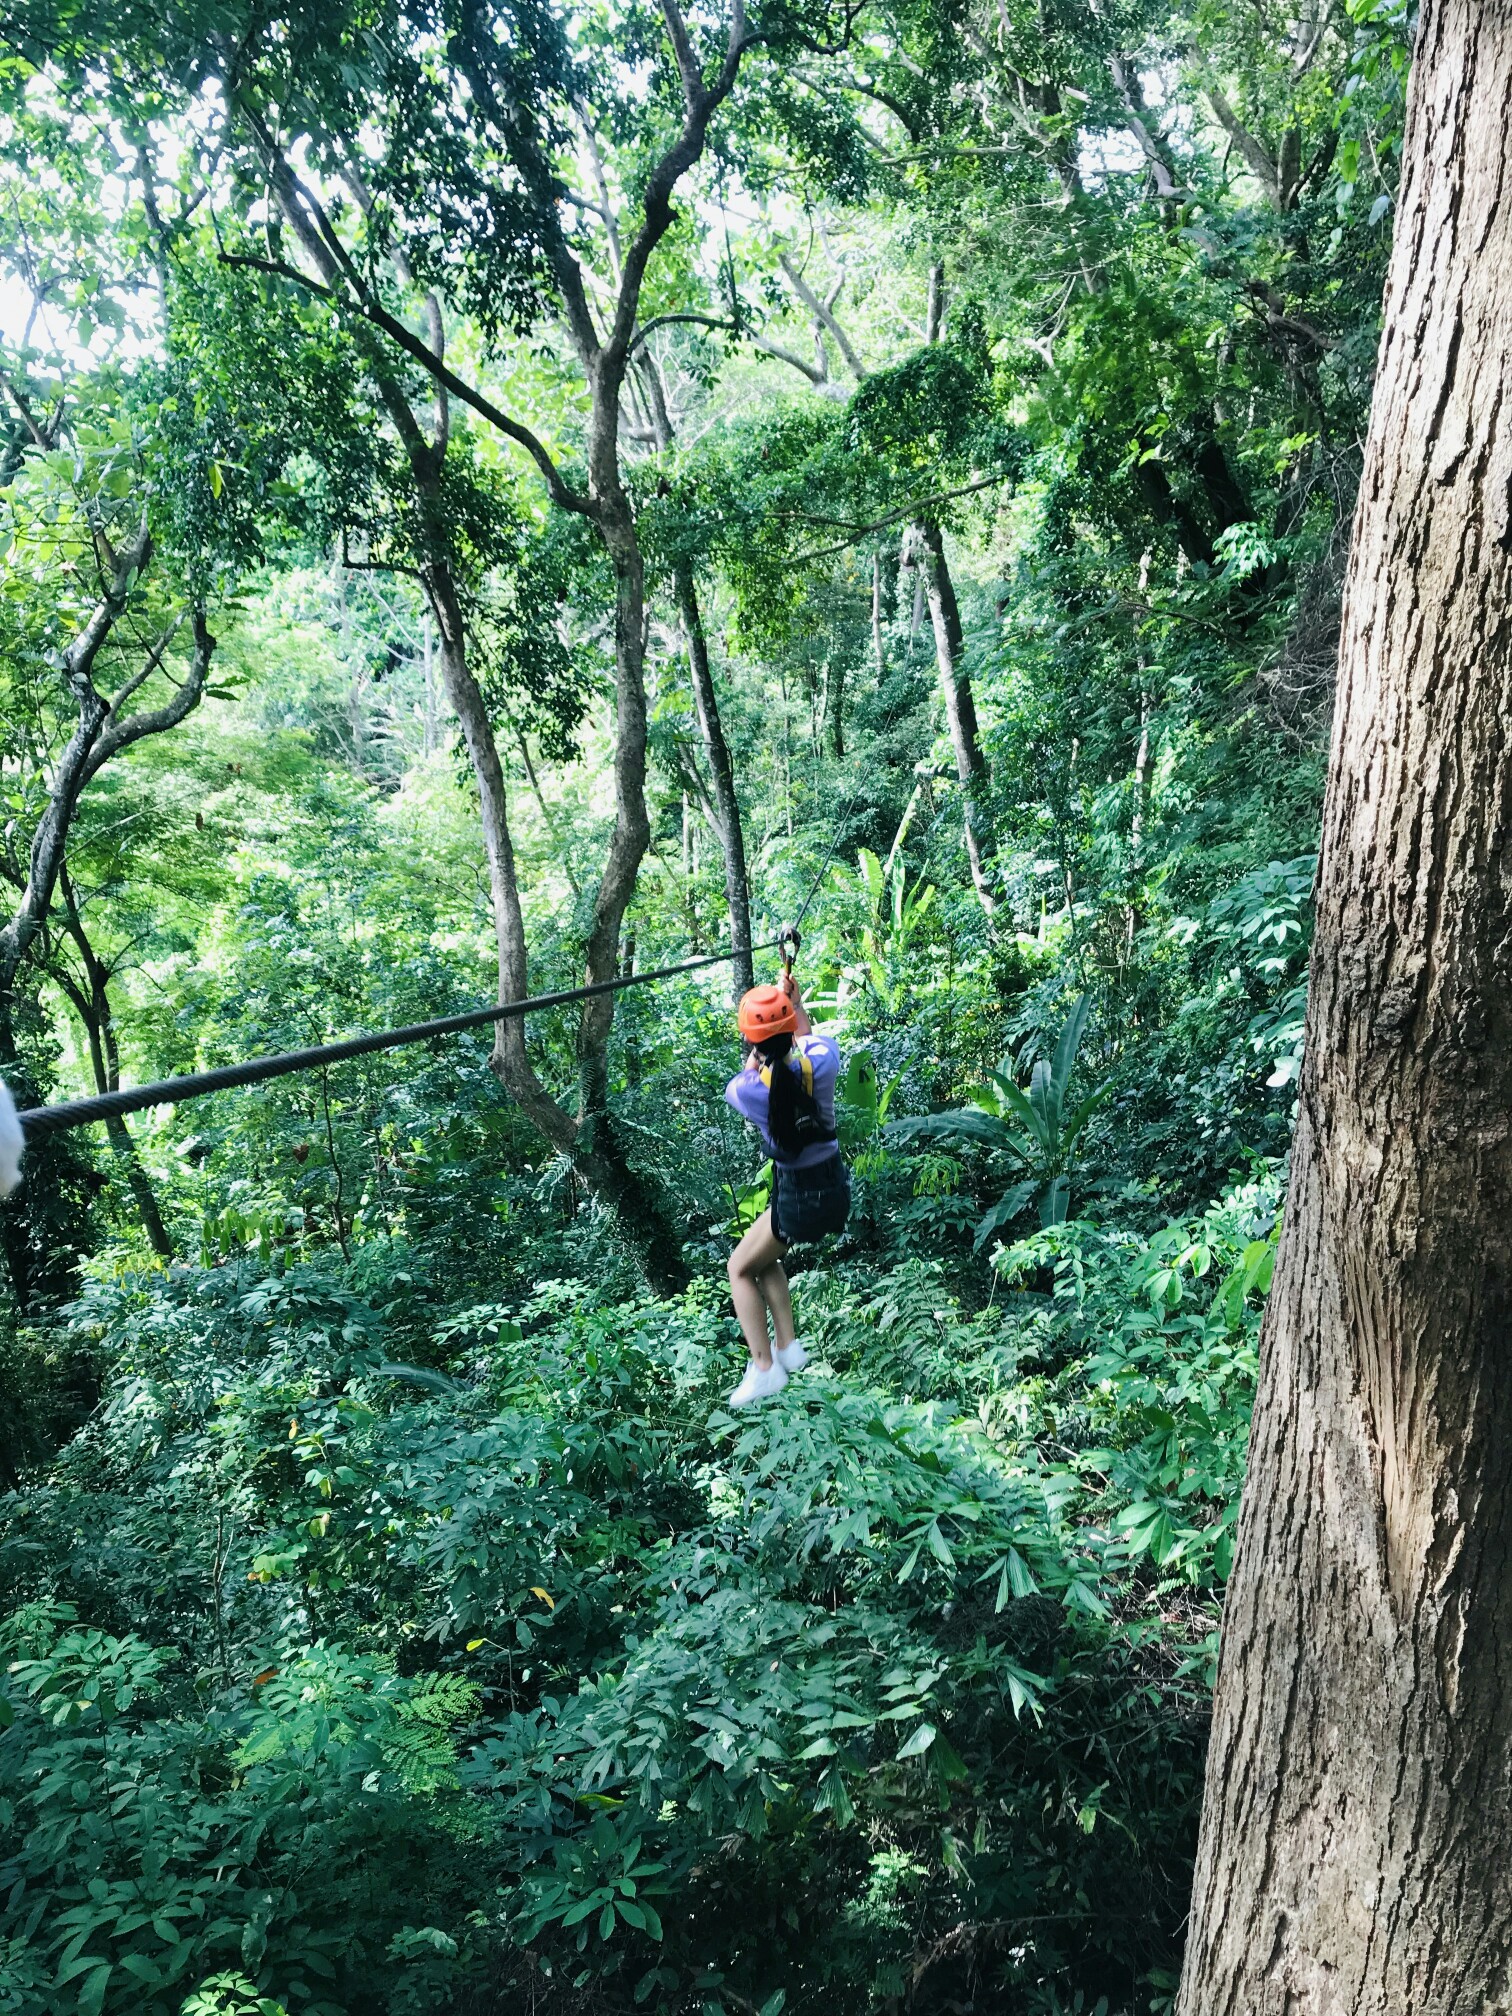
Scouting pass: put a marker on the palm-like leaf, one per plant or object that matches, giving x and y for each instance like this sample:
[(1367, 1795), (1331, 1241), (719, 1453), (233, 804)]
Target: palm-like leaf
[(1083, 1113), (1067, 1044), (1045, 1102), (961, 1124), (871, 876), (1005, 1209), (1033, 1126), (1055, 1203), (1023, 1110)]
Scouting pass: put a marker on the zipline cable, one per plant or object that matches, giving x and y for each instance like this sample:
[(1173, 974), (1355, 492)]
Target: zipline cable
[(42, 1120)]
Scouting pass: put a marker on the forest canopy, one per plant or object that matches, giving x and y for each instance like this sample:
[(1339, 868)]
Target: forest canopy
[(500, 498)]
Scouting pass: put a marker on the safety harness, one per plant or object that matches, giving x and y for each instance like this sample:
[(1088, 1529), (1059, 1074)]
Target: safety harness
[(808, 1123)]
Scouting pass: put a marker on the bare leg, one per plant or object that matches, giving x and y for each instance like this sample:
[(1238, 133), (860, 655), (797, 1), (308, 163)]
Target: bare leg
[(775, 1293), (758, 1253)]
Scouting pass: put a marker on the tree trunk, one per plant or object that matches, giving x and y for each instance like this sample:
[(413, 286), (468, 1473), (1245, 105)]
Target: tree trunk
[(879, 657), (934, 302), (105, 1063), (960, 708), (590, 1141), (945, 616), (140, 1184), (1356, 1850), (29, 1244), (591, 1138), (122, 1145), (728, 828), (91, 1003), (103, 732), (1167, 509), (631, 834)]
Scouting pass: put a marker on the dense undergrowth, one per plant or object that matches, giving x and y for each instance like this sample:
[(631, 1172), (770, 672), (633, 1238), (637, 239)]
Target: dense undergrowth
[(415, 1629), (362, 1657)]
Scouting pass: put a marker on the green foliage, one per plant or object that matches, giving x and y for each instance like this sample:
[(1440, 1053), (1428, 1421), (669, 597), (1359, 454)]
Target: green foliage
[(1036, 1128), (644, 1629), (396, 1620)]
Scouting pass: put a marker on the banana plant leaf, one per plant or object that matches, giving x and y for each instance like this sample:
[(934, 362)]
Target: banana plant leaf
[(1066, 1046), (960, 1124), (1003, 1212), (1083, 1113), (1056, 1201), (1029, 1116)]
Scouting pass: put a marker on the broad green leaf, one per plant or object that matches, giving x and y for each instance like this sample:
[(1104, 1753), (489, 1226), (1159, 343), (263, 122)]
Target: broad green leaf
[(918, 1742)]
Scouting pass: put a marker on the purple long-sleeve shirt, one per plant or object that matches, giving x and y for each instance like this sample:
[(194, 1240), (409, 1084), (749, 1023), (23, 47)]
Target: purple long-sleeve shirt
[(751, 1099)]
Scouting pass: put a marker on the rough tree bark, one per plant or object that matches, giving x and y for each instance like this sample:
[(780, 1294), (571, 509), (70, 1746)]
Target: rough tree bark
[(1356, 1850)]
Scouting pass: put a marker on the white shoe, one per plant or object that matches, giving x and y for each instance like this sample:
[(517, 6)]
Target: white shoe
[(791, 1357), (759, 1383)]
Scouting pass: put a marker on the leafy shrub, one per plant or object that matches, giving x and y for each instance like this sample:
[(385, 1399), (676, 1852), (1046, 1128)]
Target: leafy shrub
[(603, 1679)]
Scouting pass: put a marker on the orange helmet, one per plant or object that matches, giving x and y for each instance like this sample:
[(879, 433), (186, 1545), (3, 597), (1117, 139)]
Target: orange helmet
[(766, 1011)]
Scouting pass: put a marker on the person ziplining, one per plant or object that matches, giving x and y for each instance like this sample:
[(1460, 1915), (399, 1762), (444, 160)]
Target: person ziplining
[(786, 1090)]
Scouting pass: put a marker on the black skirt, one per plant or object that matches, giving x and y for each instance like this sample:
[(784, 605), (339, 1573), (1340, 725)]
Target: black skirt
[(807, 1203)]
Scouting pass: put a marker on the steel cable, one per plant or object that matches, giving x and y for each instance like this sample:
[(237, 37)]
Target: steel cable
[(40, 1120)]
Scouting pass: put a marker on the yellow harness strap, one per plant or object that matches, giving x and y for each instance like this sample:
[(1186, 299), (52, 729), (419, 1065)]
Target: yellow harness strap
[(804, 1064)]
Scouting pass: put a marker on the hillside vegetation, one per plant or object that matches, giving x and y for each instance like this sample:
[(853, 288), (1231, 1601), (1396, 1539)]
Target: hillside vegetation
[(492, 497)]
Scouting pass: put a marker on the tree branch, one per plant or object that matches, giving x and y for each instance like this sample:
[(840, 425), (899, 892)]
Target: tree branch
[(332, 263), (656, 212), (43, 435), (815, 376), (1256, 155), (688, 66), (50, 839), (688, 315), (605, 206), (516, 135), (117, 734), (822, 315), (1152, 143), (150, 664), (376, 566), (898, 109), (373, 312), (79, 658), (434, 321)]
